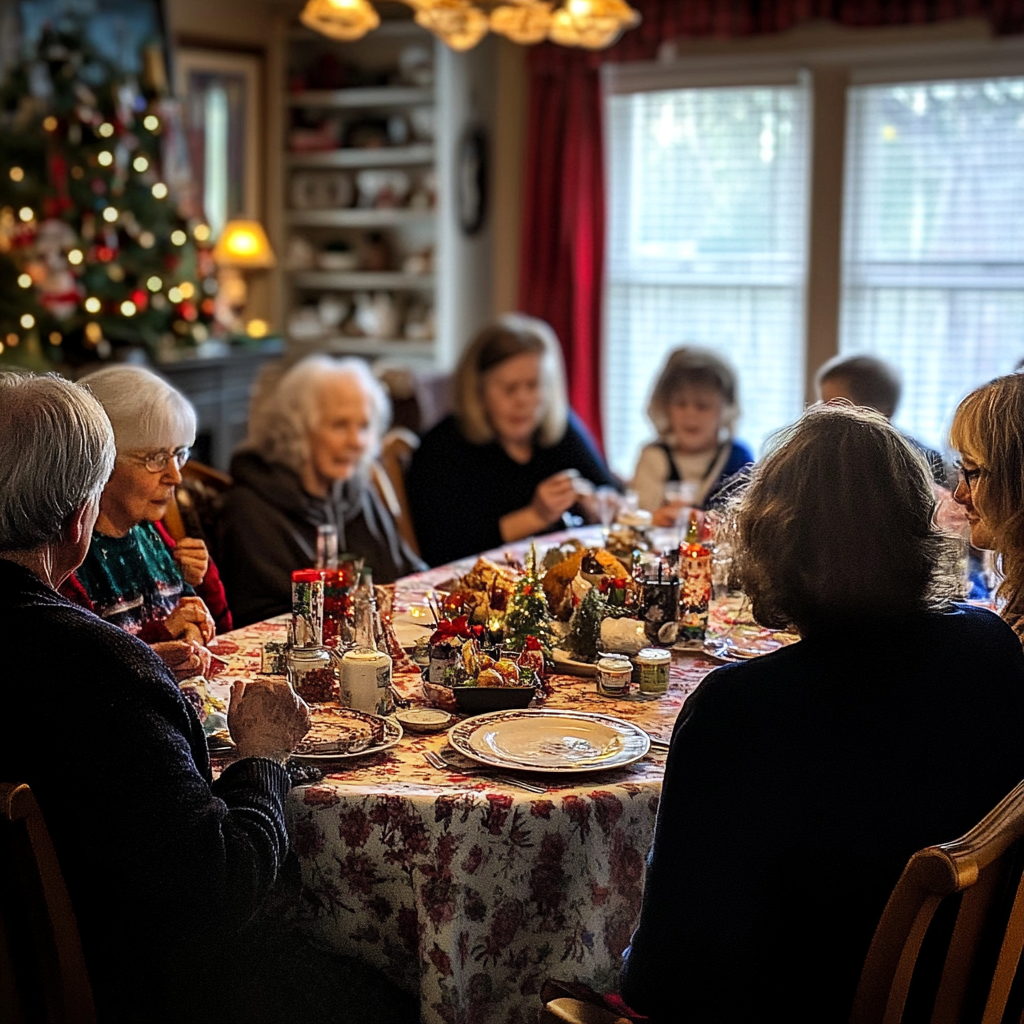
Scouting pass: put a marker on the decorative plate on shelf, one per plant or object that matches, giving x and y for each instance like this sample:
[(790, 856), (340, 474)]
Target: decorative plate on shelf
[(550, 741)]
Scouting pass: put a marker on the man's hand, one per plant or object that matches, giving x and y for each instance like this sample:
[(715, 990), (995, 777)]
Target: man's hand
[(266, 718), (183, 657)]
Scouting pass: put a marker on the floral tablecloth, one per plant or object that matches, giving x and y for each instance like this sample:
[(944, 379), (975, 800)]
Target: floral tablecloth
[(465, 890)]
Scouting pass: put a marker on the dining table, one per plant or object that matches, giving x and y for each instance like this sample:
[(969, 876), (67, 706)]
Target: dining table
[(457, 883)]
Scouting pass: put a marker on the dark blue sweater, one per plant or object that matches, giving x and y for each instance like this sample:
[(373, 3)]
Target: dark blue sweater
[(797, 787), (163, 865)]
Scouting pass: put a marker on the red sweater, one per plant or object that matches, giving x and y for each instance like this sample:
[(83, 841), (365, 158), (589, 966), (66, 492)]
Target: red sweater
[(211, 590)]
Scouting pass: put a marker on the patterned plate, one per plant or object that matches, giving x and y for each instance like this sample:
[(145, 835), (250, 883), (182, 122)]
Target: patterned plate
[(392, 734), (550, 741)]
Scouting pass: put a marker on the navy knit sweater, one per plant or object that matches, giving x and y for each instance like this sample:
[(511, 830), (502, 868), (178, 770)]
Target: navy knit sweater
[(163, 865)]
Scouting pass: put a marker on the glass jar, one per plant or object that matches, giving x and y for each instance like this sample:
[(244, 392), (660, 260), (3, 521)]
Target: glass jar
[(312, 674), (653, 664)]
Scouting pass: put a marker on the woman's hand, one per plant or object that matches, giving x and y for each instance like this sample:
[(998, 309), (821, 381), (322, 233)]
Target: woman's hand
[(193, 559), (551, 498), (266, 718), (554, 496), (183, 657), (190, 619)]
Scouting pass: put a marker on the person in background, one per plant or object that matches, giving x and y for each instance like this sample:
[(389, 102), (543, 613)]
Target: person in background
[(988, 434), (798, 784), (169, 595), (693, 407), (305, 464), (873, 383), (513, 458)]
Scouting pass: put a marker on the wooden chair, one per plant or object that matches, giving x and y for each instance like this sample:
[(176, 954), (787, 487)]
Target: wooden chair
[(196, 503), (42, 971), (388, 473), (983, 951), (984, 869)]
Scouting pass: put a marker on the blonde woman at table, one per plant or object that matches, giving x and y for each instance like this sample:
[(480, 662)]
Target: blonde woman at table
[(167, 594), (988, 432), (799, 784), (513, 458), (306, 464)]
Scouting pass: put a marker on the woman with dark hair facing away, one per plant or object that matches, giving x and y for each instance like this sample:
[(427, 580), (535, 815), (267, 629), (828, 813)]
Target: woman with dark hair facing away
[(988, 432), (799, 784), (694, 406), (513, 459)]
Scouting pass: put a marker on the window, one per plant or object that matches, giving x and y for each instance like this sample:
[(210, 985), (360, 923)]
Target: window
[(706, 247), (911, 246), (933, 267)]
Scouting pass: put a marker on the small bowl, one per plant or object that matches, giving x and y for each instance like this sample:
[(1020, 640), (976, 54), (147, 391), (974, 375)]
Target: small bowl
[(423, 719), (476, 700)]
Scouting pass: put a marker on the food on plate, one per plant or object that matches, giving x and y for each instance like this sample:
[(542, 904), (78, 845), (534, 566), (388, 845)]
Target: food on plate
[(336, 730), (567, 583), (484, 591)]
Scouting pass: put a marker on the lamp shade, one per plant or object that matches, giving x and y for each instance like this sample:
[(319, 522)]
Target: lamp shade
[(243, 244)]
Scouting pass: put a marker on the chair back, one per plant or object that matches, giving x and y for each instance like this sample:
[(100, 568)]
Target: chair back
[(396, 451), (42, 971), (984, 869), (197, 502)]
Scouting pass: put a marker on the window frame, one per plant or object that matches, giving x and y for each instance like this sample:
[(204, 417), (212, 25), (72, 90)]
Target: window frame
[(824, 59)]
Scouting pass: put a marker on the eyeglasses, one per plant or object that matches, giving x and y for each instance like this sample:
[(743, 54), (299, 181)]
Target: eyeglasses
[(969, 476), (156, 462)]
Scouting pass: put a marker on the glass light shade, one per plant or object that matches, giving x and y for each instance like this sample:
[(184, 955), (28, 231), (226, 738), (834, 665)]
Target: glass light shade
[(523, 23), (592, 24), (456, 23), (243, 244), (340, 19)]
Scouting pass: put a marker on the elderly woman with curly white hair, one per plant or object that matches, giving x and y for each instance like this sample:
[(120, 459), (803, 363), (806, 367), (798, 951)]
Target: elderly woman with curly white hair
[(306, 463)]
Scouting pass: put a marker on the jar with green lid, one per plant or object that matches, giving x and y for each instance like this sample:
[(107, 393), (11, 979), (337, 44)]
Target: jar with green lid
[(653, 664)]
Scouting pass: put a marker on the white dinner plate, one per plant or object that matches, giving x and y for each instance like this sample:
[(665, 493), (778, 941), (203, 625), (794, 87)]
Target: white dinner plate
[(410, 625), (392, 734), (550, 741)]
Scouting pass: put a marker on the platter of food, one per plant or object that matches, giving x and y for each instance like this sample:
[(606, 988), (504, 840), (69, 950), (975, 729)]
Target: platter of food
[(562, 742), (338, 734)]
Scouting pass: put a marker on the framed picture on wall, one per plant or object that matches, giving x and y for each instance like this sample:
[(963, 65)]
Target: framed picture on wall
[(221, 94), (121, 30)]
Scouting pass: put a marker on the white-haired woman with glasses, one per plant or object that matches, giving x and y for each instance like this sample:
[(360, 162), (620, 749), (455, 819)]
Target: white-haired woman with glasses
[(169, 595), (306, 464)]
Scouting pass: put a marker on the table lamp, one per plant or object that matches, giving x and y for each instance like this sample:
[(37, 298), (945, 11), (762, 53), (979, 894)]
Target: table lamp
[(242, 246)]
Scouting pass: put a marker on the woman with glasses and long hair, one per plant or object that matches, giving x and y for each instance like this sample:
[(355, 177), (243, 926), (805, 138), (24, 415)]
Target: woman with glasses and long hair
[(988, 433), (168, 595)]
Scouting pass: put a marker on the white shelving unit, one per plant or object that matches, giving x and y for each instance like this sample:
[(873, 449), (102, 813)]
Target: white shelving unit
[(403, 231)]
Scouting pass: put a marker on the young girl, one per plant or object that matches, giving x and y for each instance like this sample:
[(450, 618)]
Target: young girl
[(693, 408)]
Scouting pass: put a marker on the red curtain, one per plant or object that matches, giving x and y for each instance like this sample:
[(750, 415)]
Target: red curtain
[(562, 244)]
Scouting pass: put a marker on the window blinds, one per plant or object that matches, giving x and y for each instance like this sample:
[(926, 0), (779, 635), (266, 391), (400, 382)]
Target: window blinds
[(933, 267), (707, 226)]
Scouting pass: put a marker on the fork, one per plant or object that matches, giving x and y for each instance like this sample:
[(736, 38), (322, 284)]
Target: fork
[(435, 760)]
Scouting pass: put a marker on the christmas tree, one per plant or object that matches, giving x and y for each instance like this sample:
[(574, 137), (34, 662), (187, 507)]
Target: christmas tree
[(94, 251), (527, 613)]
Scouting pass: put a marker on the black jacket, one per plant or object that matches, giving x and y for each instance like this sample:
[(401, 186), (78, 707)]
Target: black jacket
[(268, 528)]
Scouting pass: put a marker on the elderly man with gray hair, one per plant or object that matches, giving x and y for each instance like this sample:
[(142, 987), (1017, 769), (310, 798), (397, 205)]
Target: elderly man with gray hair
[(164, 866)]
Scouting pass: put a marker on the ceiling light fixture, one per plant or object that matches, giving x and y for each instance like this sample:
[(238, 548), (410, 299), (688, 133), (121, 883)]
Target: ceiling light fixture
[(461, 24)]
